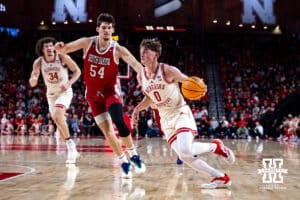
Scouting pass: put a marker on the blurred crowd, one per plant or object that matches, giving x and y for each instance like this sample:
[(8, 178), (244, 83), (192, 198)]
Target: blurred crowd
[(255, 80)]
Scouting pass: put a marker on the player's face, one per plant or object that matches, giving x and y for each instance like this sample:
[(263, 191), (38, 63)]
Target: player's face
[(48, 49), (147, 56), (105, 30)]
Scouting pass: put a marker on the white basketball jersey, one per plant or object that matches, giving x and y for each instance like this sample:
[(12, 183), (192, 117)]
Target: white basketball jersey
[(165, 95), (54, 74)]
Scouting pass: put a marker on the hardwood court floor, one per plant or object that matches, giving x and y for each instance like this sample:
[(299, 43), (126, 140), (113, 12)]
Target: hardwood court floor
[(32, 168)]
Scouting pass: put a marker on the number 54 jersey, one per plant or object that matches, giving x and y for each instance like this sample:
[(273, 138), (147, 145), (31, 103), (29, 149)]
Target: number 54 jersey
[(100, 68)]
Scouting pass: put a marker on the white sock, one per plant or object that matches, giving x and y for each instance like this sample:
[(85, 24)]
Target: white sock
[(201, 165), (200, 148), (132, 151), (123, 158)]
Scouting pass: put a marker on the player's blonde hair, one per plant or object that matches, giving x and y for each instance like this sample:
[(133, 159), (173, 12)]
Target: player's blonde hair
[(152, 44)]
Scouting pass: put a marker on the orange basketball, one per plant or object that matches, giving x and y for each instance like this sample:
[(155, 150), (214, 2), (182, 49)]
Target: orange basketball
[(193, 88)]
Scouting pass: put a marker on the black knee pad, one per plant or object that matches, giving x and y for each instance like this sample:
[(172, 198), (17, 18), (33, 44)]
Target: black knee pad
[(116, 113)]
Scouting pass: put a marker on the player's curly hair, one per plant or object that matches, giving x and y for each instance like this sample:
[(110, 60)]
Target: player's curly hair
[(40, 43), (152, 44)]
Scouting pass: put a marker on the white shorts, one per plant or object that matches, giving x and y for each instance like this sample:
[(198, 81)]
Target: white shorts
[(62, 100), (178, 121)]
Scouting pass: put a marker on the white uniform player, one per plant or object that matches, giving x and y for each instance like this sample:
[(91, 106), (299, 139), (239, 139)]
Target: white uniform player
[(177, 116), (160, 85), (54, 68), (55, 75)]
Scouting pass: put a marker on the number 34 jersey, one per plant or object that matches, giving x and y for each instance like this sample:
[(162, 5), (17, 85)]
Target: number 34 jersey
[(100, 67), (55, 74)]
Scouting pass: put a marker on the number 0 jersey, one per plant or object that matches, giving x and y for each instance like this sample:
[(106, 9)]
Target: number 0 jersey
[(100, 67), (54, 75), (166, 95)]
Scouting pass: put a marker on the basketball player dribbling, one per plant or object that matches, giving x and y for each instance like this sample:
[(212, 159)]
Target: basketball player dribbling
[(101, 58), (54, 68), (159, 82)]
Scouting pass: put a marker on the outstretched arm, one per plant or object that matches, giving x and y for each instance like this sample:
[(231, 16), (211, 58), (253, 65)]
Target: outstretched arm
[(63, 48), (122, 52), (36, 69)]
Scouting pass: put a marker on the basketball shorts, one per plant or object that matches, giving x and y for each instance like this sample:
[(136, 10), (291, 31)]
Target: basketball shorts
[(176, 121), (100, 102), (62, 100)]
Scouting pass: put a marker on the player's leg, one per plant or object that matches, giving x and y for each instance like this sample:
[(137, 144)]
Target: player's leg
[(57, 109), (186, 122), (183, 147), (116, 112), (104, 122)]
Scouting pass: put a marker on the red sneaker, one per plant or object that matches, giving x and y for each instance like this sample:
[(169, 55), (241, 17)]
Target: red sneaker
[(224, 151), (218, 182)]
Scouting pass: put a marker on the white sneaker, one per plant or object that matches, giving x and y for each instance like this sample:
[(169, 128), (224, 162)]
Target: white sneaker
[(72, 173), (72, 152), (224, 151), (72, 156), (139, 166)]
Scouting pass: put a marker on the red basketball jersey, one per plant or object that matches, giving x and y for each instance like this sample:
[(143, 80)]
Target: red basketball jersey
[(100, 67)]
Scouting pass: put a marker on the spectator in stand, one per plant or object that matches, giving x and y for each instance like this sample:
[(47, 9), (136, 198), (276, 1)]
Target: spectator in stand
[(213, 127), (203, 127), (251, 126), (242, 131), (142, 123), (49, 128), (75, 124), (152, 130), (22, 128), (3, 120), (7, 128), (87, 123), (258, 131), (223, 128), (233, 127), (35, 128)]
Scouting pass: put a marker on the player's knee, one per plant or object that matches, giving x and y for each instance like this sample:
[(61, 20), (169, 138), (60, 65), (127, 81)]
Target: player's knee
[(55, 117), (185, 151), (122, 128), (116, 113), (58, 112)]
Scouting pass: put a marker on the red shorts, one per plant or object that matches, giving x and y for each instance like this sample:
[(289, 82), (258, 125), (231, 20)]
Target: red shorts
[(99, 102)]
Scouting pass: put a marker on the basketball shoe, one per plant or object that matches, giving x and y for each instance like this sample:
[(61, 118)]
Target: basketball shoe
[(218, 182), (179, 161), (139, 166), (72, 152), (224, 151), (72, 173), (126, 170)]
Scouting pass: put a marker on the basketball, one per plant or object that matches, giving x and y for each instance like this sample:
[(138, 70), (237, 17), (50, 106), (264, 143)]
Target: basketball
[(193, 88)]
